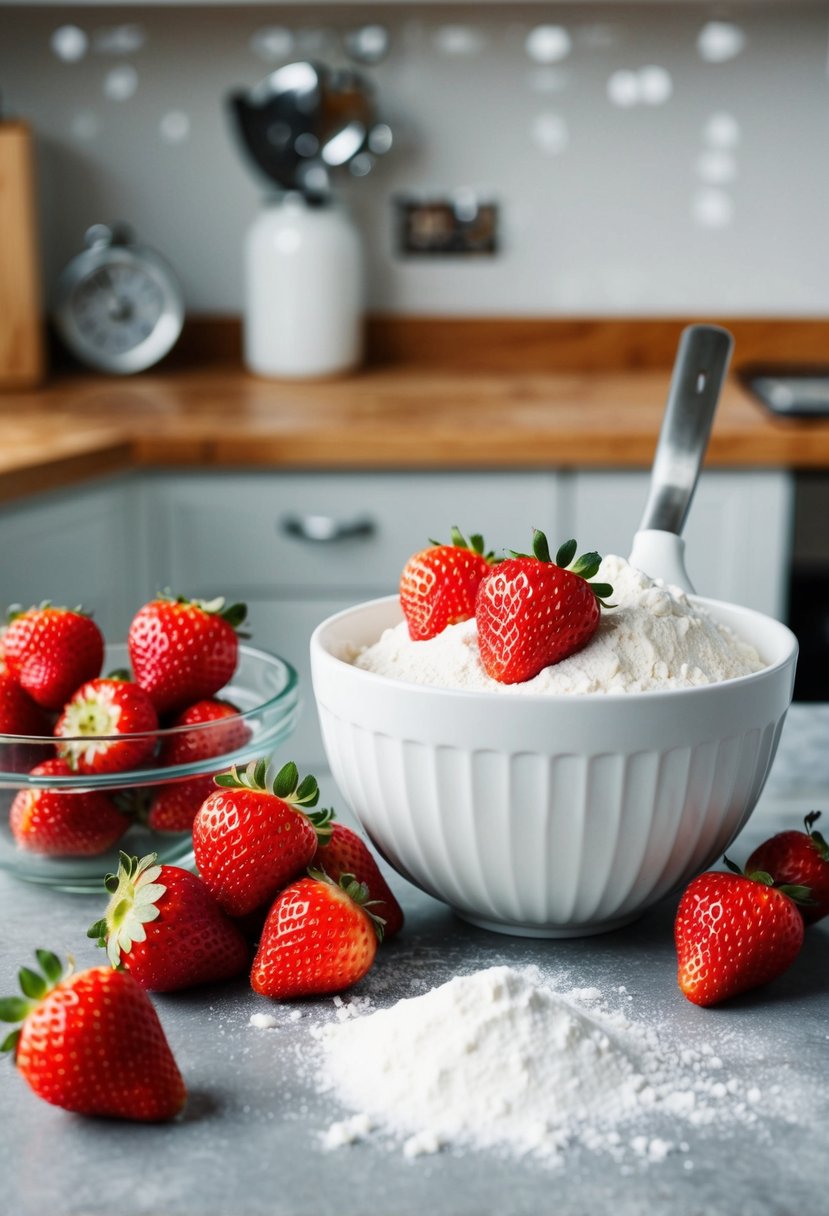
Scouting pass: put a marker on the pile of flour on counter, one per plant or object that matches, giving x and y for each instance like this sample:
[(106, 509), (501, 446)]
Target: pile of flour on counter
[(499, 1060), (653, 638)]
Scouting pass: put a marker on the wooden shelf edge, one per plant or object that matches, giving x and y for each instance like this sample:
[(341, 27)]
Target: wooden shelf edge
[(528, 344)]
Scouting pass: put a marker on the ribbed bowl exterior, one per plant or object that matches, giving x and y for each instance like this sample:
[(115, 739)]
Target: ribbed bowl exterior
[(549, 816)]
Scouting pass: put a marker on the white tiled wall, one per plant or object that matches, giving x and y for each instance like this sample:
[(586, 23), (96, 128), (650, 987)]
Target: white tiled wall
[(647, 158)]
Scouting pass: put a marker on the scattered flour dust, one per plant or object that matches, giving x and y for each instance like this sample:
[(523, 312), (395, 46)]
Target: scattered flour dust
[(499, 1060), (654, 637)]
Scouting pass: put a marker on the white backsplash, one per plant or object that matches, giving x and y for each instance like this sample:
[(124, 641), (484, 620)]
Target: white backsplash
[(646, 159)]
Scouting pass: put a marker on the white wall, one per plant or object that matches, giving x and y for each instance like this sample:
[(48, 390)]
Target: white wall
[(606, 208)]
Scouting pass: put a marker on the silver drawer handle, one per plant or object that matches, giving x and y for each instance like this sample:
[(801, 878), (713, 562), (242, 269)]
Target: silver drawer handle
[(323, 529)]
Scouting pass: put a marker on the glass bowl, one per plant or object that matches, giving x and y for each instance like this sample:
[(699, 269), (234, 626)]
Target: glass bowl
[(265, 689)]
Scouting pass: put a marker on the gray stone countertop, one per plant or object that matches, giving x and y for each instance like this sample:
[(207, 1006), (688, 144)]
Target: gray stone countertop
[(250, 1140)]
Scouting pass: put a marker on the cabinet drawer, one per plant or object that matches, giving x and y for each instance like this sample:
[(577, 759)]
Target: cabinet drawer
[(349, 531)]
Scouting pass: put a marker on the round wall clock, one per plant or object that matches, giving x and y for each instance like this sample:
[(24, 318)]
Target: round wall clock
[(119, 306)]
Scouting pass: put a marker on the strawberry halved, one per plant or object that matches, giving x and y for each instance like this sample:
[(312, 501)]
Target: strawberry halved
[(108, 726)]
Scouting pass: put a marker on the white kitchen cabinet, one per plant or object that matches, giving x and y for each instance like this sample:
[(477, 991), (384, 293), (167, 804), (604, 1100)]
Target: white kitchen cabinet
[(76, 547), (738, 535), (334, 530), (297, 547), (261, 537)]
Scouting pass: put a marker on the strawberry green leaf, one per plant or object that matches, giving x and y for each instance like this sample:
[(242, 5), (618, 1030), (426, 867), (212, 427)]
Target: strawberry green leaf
[(602, 591), (235, 614), (50, 964), (821, 844), (322, 823), (587, 565), (817, 838), (566, 554), (475, 544), (252, 778), (11, 1040), (761, 876), (14, 1008), (229, 780), (32, 984), (358, 891), (541, 549), (286, 780), (800, 895), (307, 792), (98, 932)]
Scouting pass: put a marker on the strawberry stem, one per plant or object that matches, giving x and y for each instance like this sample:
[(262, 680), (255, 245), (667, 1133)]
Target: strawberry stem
[(817, 838), (585, 566), (356, 891), (17, 610), (234, 614), (286, 784), (798, 894), (322, 822), (35, 985), (475, 544)]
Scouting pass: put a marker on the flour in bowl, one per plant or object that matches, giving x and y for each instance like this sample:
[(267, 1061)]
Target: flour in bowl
[(653, 638)]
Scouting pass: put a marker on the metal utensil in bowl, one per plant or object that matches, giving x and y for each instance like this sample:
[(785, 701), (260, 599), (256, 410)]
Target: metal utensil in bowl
[(699, 372)]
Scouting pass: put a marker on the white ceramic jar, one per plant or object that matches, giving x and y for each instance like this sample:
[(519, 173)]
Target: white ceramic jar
[(304, 294)]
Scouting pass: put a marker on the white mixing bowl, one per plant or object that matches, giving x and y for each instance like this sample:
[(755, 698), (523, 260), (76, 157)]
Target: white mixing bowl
[(549, 816)]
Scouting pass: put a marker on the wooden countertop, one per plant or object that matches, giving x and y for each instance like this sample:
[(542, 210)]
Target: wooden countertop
[(394, 417)]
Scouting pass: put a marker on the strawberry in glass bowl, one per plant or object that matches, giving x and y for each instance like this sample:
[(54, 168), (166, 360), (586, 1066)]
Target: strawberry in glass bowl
[(124, 760)]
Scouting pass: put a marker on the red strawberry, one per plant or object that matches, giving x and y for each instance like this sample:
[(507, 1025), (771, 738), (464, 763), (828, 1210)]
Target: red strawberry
[(92, 1043), (319, 937), (19, 715), (345, 853), (532, 612), (798, 859), (165, 927), (184, 650), (439, 584), (196, 739), (51, 652), (249, 840), (733, 932), (174, 807), (100, 712), (63, 824)]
